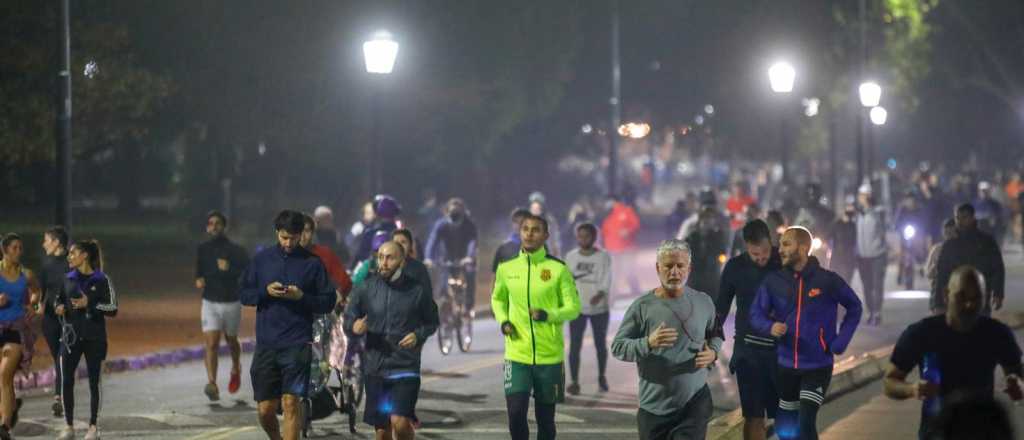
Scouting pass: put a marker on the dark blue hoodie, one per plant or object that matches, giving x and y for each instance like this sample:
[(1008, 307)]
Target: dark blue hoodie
[(282, 322), (807, 302)]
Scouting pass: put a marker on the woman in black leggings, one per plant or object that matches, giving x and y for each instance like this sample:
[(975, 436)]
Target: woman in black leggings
[(84, 303)]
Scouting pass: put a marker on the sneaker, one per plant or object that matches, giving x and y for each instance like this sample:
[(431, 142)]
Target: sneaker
[(602, 384), (5, 433), (212, 392), (235, 383), (68, 433), (93, 434), (574, 388), (17, 407), (58, 408)]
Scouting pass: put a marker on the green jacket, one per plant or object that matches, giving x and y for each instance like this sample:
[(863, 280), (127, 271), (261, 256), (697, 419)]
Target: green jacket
[(535, 281)]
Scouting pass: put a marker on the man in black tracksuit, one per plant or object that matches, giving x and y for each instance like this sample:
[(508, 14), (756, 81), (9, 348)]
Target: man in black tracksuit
[(397, 315), (973, 247), (754, 359), (288, 285)]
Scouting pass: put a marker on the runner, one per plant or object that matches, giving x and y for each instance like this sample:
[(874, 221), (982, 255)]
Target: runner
[(592, 270), (534, 294), (288, 286), (807, 341), (753, 359), (413, 267), (670, 334), (219, 264), (510, 248), (51, 279), (84, 303), (19, 287), (956, 352), (397, 314)]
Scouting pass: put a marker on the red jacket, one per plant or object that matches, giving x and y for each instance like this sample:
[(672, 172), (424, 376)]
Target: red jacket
[(620, 227), (335, 269)]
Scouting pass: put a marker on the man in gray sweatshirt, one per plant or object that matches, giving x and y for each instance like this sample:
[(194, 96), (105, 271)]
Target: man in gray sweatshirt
[(670, 334)]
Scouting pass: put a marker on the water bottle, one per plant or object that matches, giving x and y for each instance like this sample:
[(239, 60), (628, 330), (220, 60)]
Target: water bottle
[(930, 372)]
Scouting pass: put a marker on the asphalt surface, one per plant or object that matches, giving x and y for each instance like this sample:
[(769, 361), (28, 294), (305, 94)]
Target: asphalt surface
[(461, 396)]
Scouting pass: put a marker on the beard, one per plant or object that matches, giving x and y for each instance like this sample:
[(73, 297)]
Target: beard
[(674, 285)]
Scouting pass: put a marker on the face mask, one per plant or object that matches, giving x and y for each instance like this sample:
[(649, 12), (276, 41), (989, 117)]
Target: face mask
[(456, 217), (396, 275)]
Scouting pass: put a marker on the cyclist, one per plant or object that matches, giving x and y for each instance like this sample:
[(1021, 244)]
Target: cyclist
[(453, 239)]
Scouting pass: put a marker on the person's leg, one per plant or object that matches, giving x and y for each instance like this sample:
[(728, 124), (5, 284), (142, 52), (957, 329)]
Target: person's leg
[(69, 359), (294, 364), (692, 422), (232, 320), (754, 428), (867, 277), (750, 381), (95, 354), (470, 289), (518, 406), (545, 415), (880, 263), (548, 390), (599, 327), (293, 416), (787, 421), (212, 339), (268, 418), (8, 366), (383, 432), (576, 329), (51, 332), (402, 427), (652, 426), (813, 388), (236, 353)]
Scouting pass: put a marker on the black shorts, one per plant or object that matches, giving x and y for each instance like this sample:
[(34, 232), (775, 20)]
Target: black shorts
[(803, 385), (390, 397), (10, 337), (689, 422), (278, 371), (756, 371)]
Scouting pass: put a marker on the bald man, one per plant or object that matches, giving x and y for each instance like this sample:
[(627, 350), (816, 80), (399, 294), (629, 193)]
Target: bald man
[(799, 306), (397, 314)]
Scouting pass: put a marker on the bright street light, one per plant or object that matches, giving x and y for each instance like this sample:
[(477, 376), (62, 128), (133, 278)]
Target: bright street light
[(870, 94), (811, 107), (635, 130), (781, 75), (380, 53), (878, 115)]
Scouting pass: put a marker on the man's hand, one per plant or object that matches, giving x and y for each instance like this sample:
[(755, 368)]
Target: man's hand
[(662, 337), (276, 289), (924, 390), (997, 302), (59, 310), (3, 300), (200, 283), (359, 327), (538, 315), (408, 342), (706, 357), (779, 329), (80, 303), (1013, 388), (293, 293), (597, 298), (508, 329), (223, 264), (428, 263)]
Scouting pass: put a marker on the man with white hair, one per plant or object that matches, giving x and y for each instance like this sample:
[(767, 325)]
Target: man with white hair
[(670, 334), (327, 235)]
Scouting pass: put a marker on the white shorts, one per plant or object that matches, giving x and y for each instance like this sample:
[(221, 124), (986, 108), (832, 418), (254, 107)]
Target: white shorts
[(222, 317)]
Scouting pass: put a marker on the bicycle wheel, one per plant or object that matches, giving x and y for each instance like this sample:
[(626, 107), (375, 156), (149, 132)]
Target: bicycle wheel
[(444, 331), (464, 330)]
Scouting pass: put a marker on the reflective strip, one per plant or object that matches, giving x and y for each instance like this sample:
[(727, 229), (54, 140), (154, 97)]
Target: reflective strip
[(812, 396), (789, 406), (759, 342)]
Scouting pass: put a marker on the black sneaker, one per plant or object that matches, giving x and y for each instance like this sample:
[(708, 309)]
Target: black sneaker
[(574, 388), (17, 407), (5, 432), (58, 408), (602, 384)]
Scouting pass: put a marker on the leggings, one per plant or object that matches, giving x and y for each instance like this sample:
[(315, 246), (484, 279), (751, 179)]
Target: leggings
[(801, 393), (598, 325), (95, 352), (51, 331), (518, 425)]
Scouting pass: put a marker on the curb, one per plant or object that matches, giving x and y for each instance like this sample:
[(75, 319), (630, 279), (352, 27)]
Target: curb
[(850, 374), (41, 379)]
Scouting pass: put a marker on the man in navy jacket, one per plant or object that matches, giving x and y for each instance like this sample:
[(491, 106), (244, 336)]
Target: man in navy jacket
[(289, 286), (799, 306)]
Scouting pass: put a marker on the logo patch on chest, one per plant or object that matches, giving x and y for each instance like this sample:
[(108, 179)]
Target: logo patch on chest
[(813, 293), (545, 275)]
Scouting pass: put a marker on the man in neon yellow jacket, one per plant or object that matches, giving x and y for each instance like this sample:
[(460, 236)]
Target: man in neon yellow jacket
[(534, 295)]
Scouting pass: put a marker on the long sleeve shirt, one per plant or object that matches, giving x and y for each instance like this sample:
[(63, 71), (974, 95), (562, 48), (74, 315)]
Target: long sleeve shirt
[(593, 275), (669, 377), (221, 283), (284, 322)]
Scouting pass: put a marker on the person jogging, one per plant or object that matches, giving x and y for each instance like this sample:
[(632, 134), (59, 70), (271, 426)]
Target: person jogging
[(799, 306), (19, 293), (219, 265), (534, 295), (51, 279), (592, 269), (84, 303)]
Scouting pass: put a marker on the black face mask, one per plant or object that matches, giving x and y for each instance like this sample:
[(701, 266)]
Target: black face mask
[(456, 217)]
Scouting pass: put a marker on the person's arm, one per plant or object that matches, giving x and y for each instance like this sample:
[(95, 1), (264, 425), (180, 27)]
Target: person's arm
[(500, 298), (251, 292), (943, 269), (354, 309), (895, 385), (630, 343), (906, 355), (761, 311), (106, 298), (726, 294), (471, 246), (848, 299), (322, 297), (362, 271), (932, 263), (605, 283), (569, 308), (336, 272), (998, 282), (429, 253), (716, 339), (1009, 356), (239, 259), (429, 319)]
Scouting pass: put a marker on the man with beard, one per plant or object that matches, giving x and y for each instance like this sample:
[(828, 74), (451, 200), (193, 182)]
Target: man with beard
[(670, 334), (971, 246), (798, 306), (957, 352)]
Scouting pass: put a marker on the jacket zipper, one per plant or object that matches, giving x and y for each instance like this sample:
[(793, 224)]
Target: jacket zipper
[(529, 307), (799, 310), (821, 337)]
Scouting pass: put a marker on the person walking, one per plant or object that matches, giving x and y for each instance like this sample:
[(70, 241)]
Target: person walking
[(872, 252), (51, 280), (973, 247), (592, 270)]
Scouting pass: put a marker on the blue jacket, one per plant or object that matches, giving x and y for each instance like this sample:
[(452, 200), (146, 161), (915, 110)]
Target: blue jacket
[(806, 302), (283, 322)]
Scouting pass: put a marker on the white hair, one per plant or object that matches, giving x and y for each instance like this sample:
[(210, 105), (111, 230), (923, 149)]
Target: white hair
[(673, 245), (322, 211)]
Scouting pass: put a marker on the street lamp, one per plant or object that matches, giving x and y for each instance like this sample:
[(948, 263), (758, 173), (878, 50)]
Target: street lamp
[(870, 94), (878, 115), (782, 75), (379, 53)]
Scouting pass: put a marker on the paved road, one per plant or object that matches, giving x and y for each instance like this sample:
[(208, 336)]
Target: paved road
[(461, 397)]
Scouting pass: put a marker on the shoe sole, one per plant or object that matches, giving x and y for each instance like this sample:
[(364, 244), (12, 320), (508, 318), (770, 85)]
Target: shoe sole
[(212, 395)]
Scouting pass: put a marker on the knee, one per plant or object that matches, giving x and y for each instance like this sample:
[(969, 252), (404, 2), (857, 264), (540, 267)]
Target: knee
[(291, 404), (401, 425), (267, 410)]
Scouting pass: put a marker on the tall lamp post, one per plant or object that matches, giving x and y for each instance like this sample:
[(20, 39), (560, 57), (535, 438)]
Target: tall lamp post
[(870, 94), (380, 53), (781, 75), (63, 123)]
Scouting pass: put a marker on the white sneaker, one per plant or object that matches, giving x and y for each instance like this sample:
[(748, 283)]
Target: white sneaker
[(93, 434), (68, 433)]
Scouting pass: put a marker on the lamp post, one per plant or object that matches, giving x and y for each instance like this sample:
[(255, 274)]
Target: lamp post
[(878, 115), (781, 75), (379, 53), (63, 122), (870, 94)]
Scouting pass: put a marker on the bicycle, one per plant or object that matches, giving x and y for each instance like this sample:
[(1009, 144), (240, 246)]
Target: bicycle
[(456, 318)]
